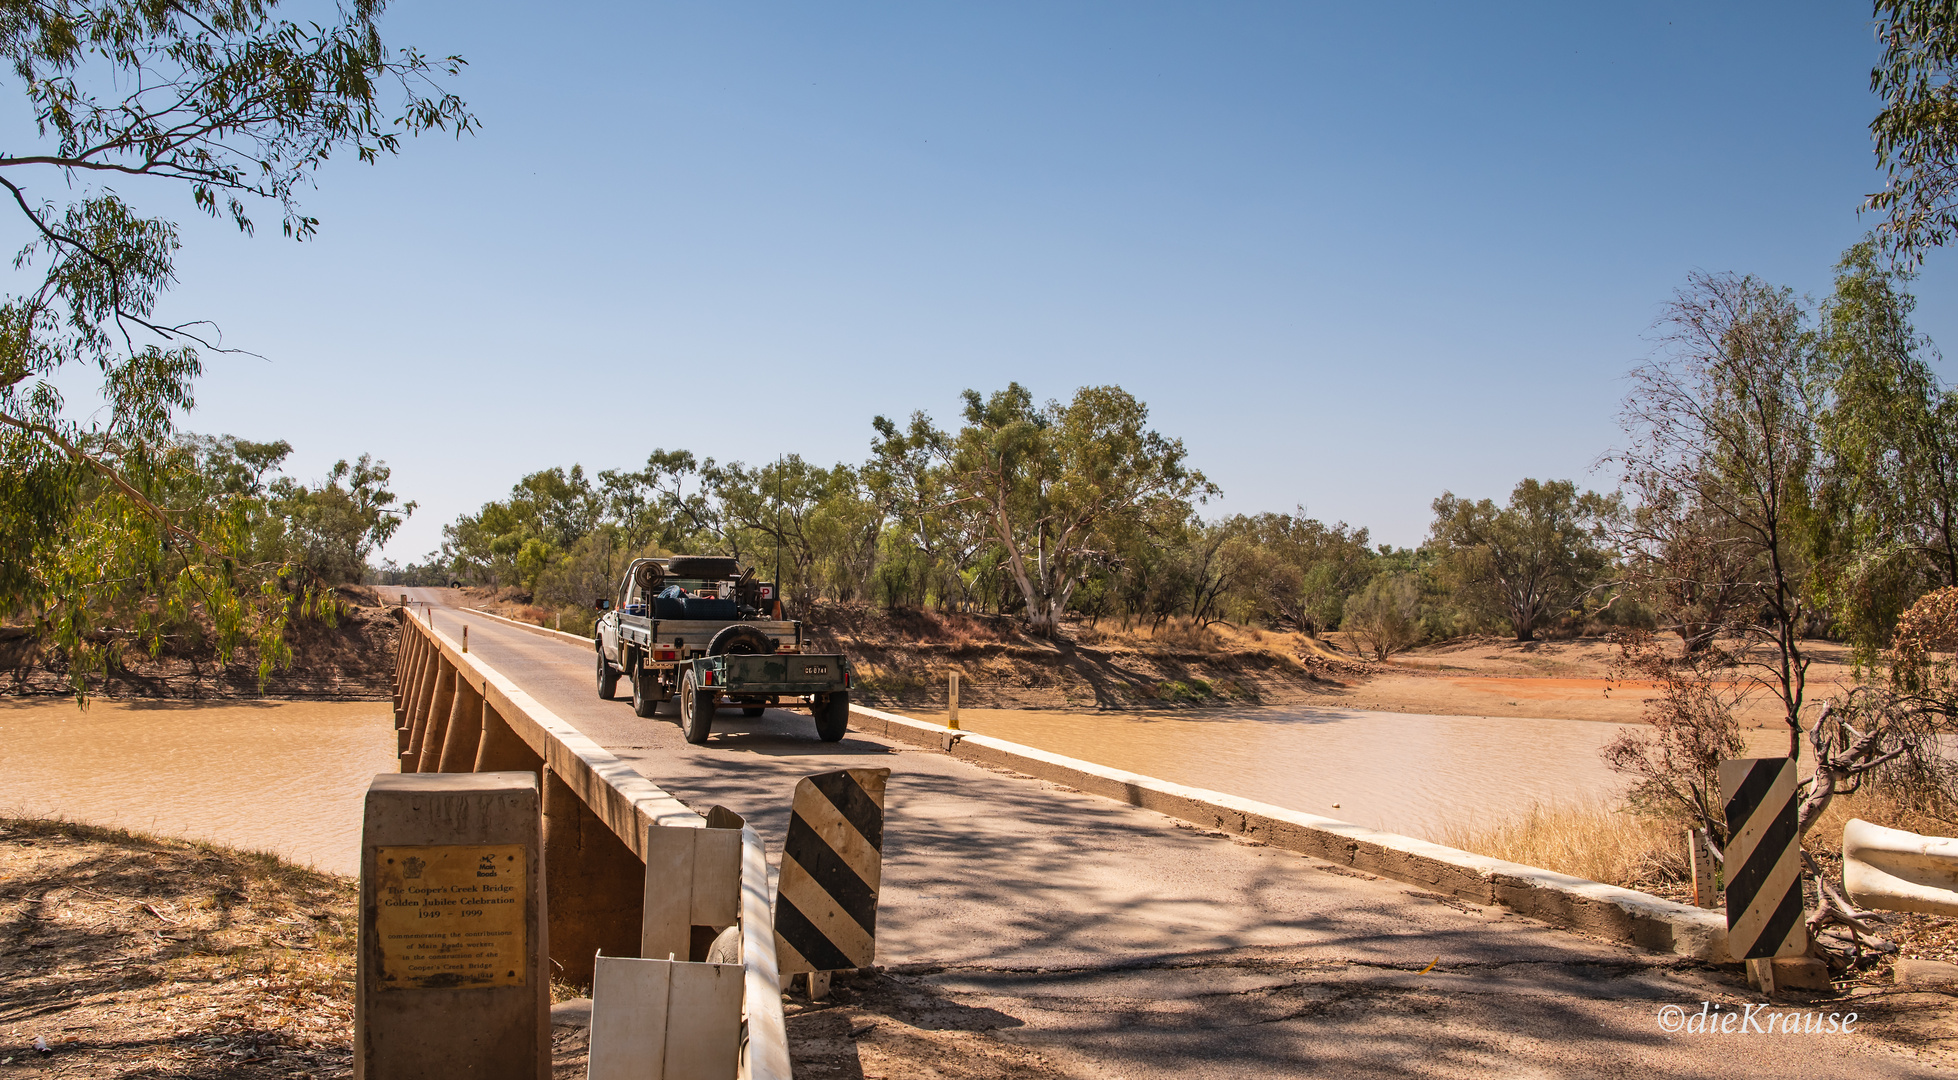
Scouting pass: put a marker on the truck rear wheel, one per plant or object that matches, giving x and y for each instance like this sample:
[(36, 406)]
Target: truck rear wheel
[(832, 712), (645, 695), (696, 710), (608, 680), (753, 710)]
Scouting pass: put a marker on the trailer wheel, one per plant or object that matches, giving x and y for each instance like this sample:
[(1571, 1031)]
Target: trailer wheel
[(696, 709), (608, 680), (832, 712), (644, 701)]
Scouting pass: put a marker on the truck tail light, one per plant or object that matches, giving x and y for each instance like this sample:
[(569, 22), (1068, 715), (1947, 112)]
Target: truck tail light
[(707, 678)]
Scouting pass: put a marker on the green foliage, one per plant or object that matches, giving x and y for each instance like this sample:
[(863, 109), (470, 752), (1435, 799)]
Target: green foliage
[(1537, 558), (1386, 615), (115, 533), (1887, 527), (1049, 482), (330, 528), (1064, 508), (100, 574), (1916, 132), (1192, 691), (1302, 570)]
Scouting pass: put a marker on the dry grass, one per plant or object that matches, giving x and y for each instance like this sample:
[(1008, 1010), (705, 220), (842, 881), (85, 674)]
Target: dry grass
[(1595, 841), (536, 616), (1178, 632), (952, 628), (1583, 839), (1184, 634), (135, 956)]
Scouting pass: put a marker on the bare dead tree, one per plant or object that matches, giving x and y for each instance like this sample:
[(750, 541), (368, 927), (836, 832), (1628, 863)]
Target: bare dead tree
[(1674, 759), (1846, 757), (1722, 456)]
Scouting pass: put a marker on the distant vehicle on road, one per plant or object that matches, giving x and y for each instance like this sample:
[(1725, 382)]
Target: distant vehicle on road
[(702, 629)]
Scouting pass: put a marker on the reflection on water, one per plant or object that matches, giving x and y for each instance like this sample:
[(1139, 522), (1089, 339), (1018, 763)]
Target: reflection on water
[(280, 776), (1403, 773)]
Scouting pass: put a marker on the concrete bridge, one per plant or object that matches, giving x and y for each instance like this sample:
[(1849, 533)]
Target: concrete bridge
[(1116, 941)]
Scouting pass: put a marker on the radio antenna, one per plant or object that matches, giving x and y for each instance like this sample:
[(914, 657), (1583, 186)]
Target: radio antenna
[(778, 527)]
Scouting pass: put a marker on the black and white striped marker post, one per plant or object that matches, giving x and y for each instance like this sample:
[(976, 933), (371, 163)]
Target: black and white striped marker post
[(1763, 860), (832, 867)]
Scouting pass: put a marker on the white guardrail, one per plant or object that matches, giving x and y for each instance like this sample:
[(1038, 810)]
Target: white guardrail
[(1896, 870)]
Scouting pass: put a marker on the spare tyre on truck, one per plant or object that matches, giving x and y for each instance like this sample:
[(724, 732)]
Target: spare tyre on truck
[(705, 631)]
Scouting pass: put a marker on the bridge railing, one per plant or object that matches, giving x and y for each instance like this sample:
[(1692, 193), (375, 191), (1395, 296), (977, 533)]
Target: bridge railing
[(454, 713)]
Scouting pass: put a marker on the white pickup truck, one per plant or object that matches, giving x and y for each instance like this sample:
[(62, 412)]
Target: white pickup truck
[(702, 629)]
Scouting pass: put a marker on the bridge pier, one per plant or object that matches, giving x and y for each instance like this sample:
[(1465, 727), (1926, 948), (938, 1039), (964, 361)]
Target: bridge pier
[(465, 732), (503, 750), (412, 652), (418, 706), (595, 882), (429, 753)]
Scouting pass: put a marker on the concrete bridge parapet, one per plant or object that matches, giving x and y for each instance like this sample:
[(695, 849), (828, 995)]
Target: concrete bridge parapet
[(454, 713)]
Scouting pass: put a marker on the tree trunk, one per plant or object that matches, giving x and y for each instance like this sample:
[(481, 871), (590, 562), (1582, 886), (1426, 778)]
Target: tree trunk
[(1041, 620)]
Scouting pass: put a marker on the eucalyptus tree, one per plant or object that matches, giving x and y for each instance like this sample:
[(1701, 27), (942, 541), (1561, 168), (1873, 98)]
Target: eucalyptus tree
[(907, 473), (236, 109), (1045, 480), (1385, 615), (818, 523), (1916, 132), (1303, 569), (330, 528), (1533, 559), (1889, 436)]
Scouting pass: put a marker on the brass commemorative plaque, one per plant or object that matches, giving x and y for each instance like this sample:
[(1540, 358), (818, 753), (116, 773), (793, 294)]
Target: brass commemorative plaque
[(451, 917)]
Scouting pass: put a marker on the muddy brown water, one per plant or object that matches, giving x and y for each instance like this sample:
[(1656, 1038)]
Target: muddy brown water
[(1405, 773), (288, 776), (279, 776)]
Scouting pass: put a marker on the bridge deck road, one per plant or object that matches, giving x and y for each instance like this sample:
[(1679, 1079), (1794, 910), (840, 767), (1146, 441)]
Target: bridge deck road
[(1116, 942)]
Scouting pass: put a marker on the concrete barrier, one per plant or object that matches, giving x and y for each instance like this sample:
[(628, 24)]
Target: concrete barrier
[(583, 641), (1589, 907), (1894, 870), (454, 713)]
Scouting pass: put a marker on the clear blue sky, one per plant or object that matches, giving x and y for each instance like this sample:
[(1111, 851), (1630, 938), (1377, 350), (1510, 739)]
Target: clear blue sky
[(1351, 258)]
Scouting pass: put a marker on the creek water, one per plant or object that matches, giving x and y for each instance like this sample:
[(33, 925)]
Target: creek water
[(1410, 774), (288, 776), (279, 776)]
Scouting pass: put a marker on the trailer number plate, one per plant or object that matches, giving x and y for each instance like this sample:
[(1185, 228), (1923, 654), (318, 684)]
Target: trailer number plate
[(815, 669)]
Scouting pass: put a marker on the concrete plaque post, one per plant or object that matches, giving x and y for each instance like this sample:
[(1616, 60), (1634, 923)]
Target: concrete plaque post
[(454, 978)]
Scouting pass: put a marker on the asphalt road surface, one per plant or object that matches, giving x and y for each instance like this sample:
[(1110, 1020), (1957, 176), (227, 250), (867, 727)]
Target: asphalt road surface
[(1105, 941)]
